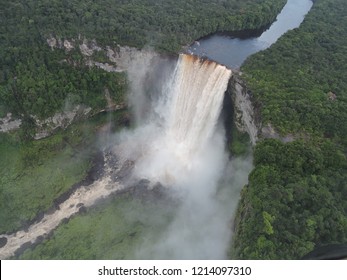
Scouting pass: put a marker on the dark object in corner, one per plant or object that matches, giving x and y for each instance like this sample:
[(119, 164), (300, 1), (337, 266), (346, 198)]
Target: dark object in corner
[(328, 252)]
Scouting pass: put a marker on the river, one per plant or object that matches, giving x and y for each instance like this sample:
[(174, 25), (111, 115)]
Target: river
[(233, 51)]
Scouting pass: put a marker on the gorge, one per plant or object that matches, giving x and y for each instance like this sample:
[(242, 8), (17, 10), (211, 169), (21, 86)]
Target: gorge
[(180, 144), (177, 147)]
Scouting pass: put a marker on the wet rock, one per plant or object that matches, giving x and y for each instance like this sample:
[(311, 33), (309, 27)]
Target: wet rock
[(148, 192), (124, 172), (82, 210), (246, 115), (64, 221), (3, 241), (22, 248), (51, 210), (39, 239)]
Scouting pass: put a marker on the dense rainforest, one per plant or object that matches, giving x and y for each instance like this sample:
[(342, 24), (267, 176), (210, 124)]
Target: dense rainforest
[(296, 196), (165, 24), (295, 199), (36, 81)]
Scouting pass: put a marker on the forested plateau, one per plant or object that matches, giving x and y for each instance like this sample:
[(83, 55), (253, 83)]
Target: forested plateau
[(296, 196), (37, 81)]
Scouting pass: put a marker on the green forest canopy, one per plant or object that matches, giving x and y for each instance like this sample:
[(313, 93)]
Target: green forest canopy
[(36, 81), (293, 202), (296, 196)]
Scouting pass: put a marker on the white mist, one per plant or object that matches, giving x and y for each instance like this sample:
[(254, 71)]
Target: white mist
[(181, 145)]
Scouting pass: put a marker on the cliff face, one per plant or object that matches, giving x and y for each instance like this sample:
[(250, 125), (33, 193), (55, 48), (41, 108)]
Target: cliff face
[(9, 123), (245, 116), (118, 59)]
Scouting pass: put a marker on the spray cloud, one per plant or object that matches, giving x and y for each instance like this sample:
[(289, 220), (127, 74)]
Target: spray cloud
[(180, 144)]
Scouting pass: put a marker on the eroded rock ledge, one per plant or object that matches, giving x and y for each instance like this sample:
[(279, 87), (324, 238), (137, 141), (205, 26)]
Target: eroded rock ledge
[(247, 116), (119, 57), (119, 60)]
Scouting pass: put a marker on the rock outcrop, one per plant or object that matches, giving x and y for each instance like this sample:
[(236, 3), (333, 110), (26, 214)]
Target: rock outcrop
[(119, 57), (245, 117), (60, 120), (9, 123)]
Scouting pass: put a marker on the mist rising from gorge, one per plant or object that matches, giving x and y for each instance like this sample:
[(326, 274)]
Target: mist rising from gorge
[(179, 142)]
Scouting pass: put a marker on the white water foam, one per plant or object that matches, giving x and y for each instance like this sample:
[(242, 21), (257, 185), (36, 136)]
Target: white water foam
[(182, 146), (171, 145)]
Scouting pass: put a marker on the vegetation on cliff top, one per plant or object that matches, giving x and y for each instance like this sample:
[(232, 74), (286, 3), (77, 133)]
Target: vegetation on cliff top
[(164, 24), (295, 200), (296, 196), (300, 82), (37, 81)]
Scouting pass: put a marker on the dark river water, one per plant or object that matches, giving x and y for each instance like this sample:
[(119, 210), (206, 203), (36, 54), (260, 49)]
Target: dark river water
[(233, 51)]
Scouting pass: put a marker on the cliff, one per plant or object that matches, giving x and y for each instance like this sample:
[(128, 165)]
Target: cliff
[(245, 116), (109, 59)]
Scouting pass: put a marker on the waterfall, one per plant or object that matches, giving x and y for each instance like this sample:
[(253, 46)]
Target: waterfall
[(182, 148), (197, 96), (173, 144)]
